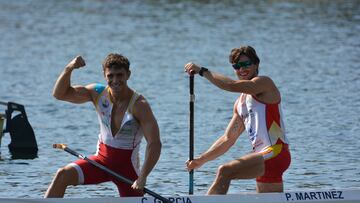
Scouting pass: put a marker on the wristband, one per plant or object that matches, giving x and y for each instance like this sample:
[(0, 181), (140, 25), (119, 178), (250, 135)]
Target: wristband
[(202, 70)]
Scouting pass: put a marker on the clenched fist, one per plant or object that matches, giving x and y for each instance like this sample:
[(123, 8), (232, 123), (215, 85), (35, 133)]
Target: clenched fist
[(76, 63)]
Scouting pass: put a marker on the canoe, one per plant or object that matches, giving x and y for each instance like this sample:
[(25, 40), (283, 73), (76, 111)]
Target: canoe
[(315, 196)]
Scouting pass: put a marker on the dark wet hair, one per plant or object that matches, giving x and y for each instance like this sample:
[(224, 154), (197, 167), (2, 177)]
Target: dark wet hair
[(114, 60), (244, 50)]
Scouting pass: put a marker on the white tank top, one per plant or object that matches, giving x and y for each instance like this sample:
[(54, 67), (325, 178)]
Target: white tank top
[(129, 135), (263, 122)]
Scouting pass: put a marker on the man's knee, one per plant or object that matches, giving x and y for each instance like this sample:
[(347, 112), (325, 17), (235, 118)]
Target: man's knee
[(66, 176), (224, 171)]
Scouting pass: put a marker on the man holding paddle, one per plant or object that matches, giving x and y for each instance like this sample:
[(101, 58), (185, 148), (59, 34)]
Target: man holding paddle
[(258, 111), (124, 116)]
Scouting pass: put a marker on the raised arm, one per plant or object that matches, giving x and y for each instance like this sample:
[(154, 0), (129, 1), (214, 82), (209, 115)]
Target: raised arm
[(254, 86), (63, 90), (150, 128), (221, 145)]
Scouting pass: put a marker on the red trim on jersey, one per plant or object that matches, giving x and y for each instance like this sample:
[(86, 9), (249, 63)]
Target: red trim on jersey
[(272, 115), (275, 167)]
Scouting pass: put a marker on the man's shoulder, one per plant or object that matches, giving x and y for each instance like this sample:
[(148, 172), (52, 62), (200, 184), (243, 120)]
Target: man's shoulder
[(141, 101), (141, 106), (95, 90), (270, 89), (264, 81), (98, 87), (263, 78)]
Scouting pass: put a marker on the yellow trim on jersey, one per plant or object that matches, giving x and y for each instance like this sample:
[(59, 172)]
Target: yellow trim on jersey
[(271, 151), (133, 99)]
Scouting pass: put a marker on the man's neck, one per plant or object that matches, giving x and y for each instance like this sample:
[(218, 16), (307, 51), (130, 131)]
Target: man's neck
[(120, 96)]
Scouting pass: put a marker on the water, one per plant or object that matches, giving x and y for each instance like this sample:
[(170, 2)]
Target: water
[(310, 49)]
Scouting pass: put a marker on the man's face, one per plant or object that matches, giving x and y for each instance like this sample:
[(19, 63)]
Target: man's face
[(116, 78), (244, 68)]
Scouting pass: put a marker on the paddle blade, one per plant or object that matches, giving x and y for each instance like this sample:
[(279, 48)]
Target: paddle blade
[(59, 146)]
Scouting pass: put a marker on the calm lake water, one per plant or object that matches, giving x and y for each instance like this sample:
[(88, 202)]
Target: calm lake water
[(311, 49)]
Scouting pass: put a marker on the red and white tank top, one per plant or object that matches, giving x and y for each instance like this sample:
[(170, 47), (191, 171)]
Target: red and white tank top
[(263, 122)]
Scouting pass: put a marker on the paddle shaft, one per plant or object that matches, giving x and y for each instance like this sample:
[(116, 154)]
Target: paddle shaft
[(191, 133), (121, 178)]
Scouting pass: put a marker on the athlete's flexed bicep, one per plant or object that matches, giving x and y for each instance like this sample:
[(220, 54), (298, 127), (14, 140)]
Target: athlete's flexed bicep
[(63, 90), (81, 94)]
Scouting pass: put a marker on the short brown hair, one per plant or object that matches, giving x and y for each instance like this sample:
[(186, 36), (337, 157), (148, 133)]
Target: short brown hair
[(113, 60), (243, 50)]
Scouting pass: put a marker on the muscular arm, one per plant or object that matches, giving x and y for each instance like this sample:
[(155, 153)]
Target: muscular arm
[(63, 90), (150, 128), (254, 86), (221, 145), (224, 143)]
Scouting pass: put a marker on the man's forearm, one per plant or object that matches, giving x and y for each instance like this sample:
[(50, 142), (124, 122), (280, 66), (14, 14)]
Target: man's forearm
[(152, 155), (220, 146), (219, 80)]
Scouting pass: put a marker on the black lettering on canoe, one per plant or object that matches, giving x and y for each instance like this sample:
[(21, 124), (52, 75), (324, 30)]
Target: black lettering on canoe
[(340, 195), (327, 195), (313, 195), (288, 196), (299, 196), (320, 194)]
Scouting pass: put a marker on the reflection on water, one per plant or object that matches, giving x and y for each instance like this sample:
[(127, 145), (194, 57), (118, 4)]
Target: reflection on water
[(309, 48)]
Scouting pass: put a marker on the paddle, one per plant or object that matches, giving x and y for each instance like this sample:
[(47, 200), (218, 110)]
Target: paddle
[(116, 175), (191, 133)]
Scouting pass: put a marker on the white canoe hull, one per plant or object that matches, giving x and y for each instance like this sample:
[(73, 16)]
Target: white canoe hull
[(341, 196)]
